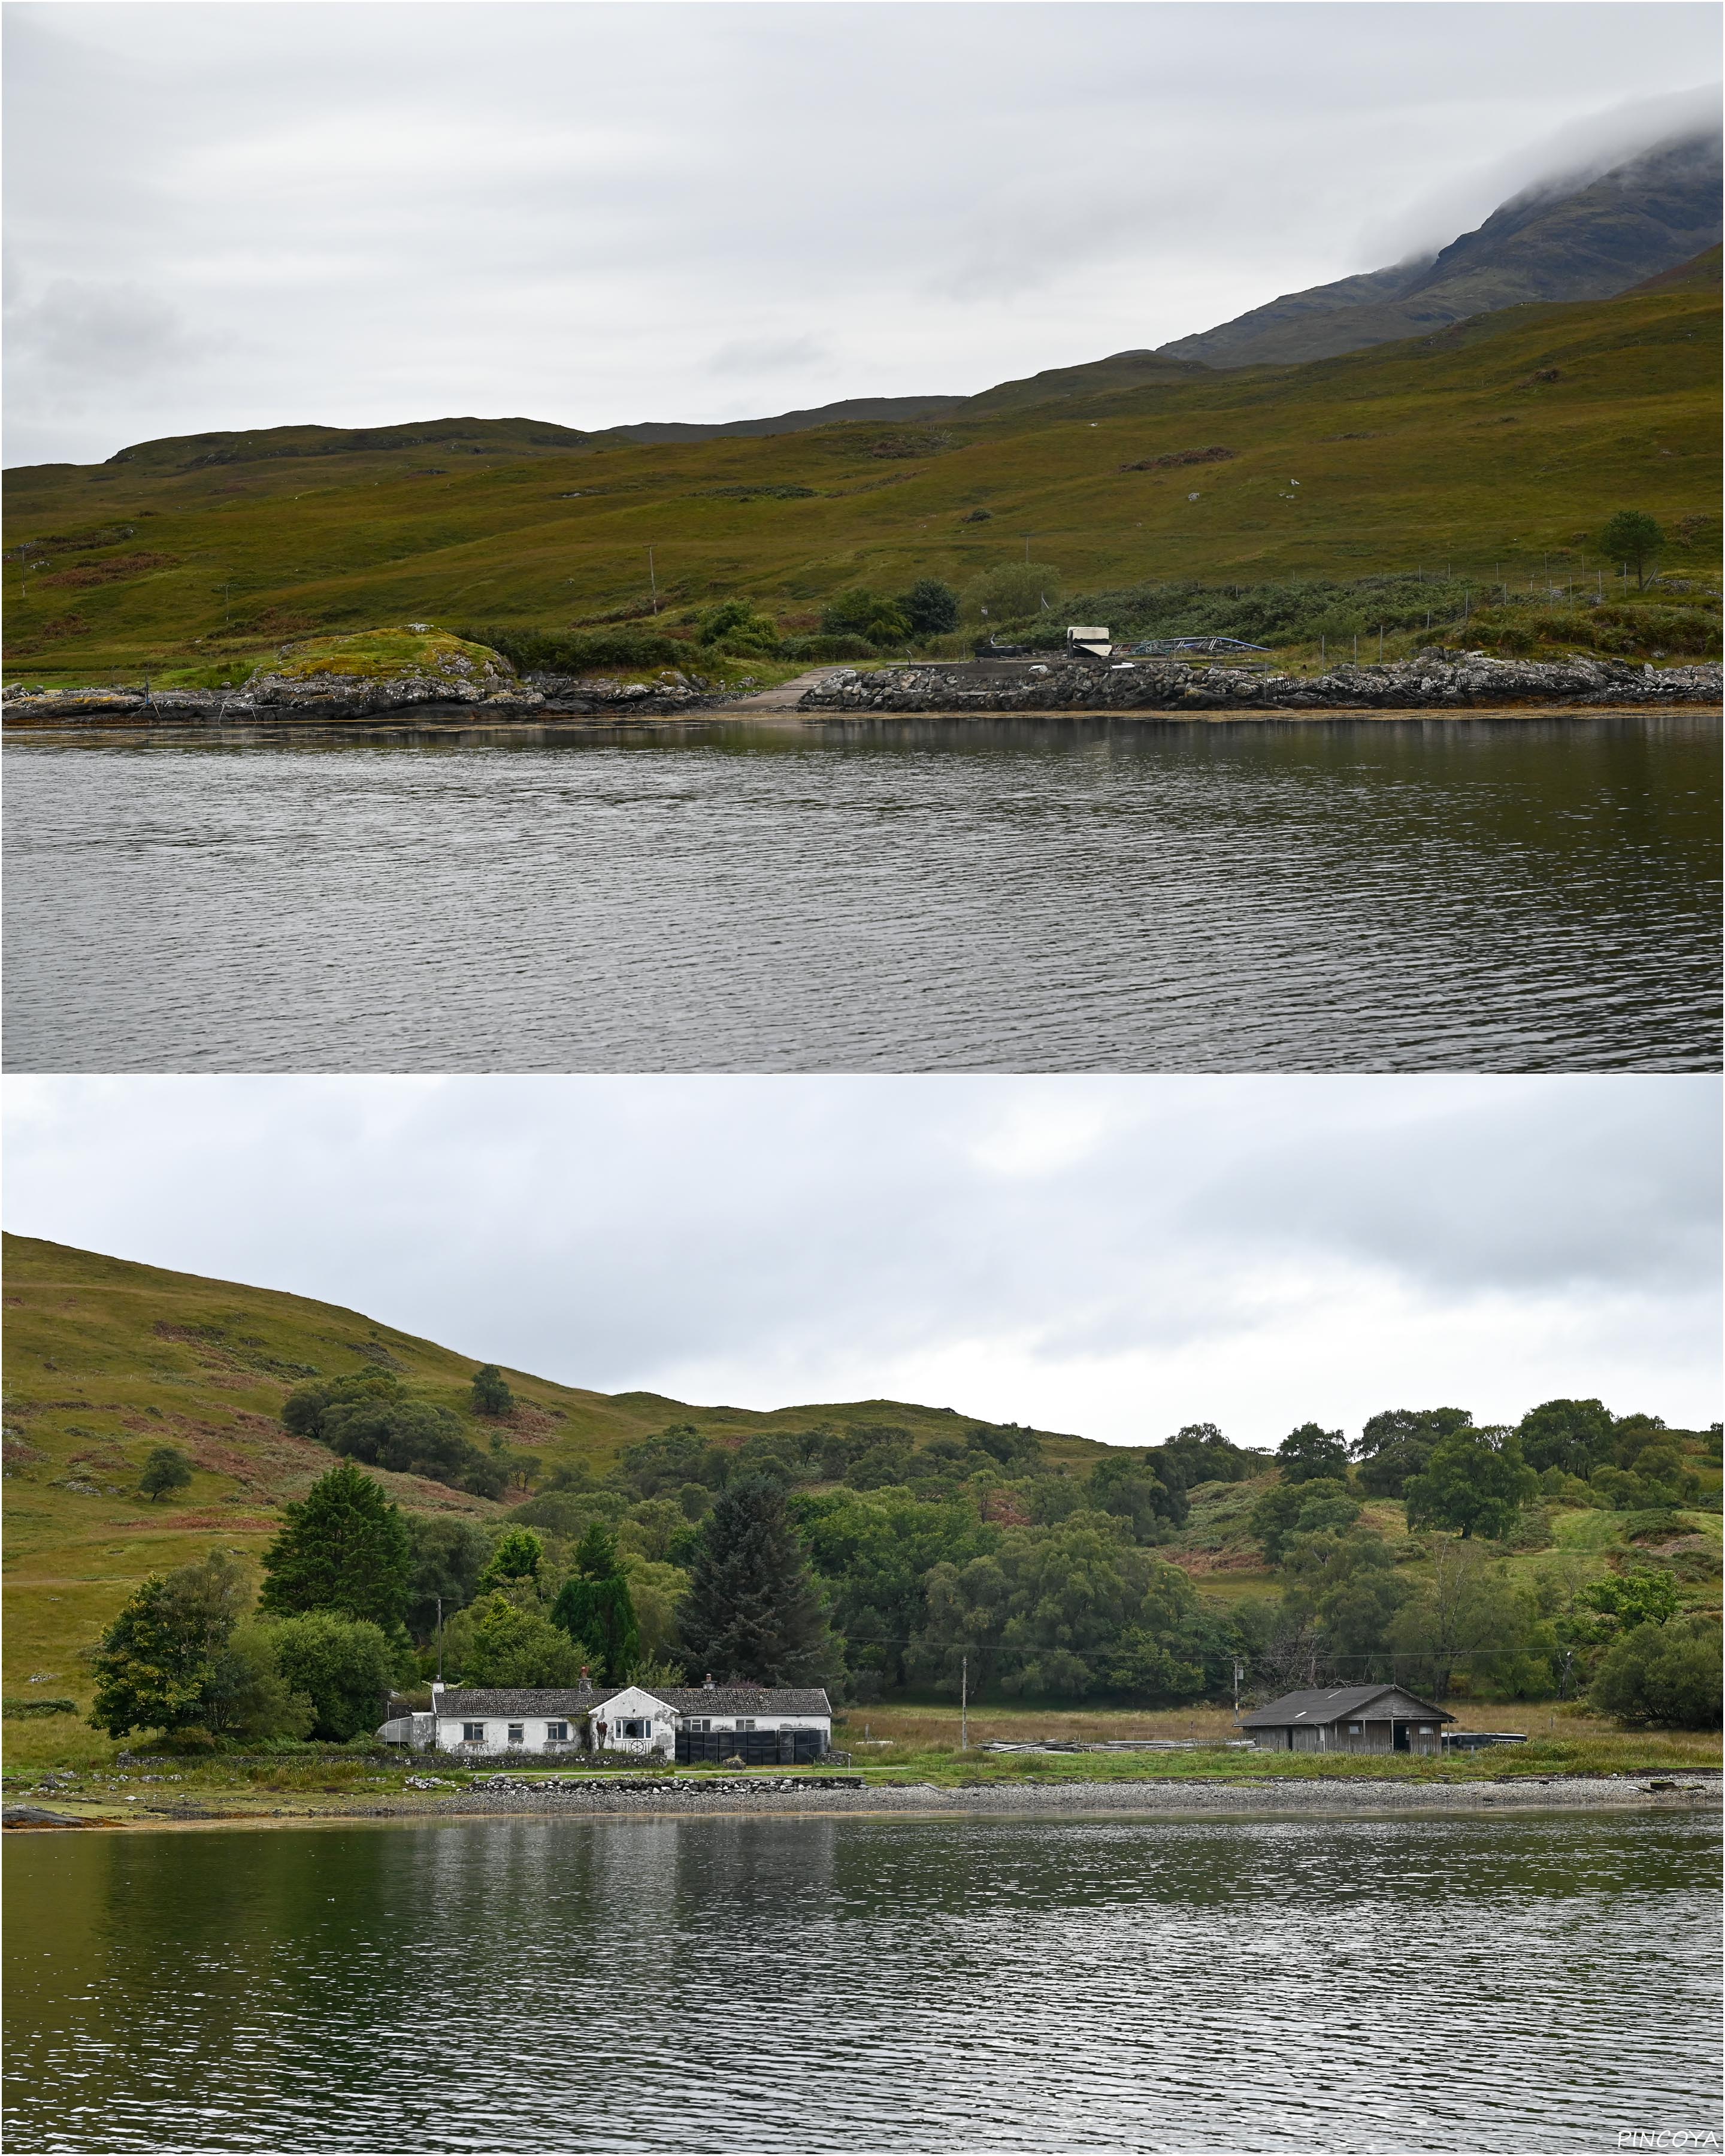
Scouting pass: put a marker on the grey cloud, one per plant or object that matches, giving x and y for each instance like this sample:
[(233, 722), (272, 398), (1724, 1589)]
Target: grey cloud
[(620, 1232), (767, 356), (410, 179)]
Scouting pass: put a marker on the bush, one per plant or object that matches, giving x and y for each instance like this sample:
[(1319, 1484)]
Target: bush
[(931, 607), (373, 1419), (584, 651), (735, 626), (818, 650), (870, 615), (1663, 1673), (1017, 591)]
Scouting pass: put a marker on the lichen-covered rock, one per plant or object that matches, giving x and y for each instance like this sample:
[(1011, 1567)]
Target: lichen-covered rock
[(1433, 681)]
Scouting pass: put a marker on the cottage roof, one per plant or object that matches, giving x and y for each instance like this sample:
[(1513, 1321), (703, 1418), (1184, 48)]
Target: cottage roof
[(454, 1703), (1334, 1704), (742, 1699)]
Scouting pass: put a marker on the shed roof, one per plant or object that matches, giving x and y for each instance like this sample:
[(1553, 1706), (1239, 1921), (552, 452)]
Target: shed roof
[(1327, 1704)]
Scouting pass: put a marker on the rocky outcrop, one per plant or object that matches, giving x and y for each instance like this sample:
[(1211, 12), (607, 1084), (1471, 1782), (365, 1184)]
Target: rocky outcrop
[(584, 696), (1433, 681), (331, 698)]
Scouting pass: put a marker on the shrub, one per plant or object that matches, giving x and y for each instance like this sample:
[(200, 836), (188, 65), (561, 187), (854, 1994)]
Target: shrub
[(735, 626), (931, 607), (585, 651), (1663, 1673), (820, 650), (868, 615), (1017, 591)]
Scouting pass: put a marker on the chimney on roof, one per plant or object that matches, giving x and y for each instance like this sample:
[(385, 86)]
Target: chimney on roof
[(708, 1685)]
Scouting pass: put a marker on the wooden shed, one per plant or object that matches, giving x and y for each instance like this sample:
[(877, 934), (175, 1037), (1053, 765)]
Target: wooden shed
[(1349, 1718)]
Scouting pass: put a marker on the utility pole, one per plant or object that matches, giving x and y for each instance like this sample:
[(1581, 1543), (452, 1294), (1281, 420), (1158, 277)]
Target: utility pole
[(1236, 1688), (964, 1702), (439, 1639), (653, 579)]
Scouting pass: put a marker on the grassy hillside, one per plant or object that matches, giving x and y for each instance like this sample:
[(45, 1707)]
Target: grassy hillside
[(106, 1359), (1498, 446)]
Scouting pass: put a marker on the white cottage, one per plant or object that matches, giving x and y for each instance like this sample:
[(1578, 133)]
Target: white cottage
[(760, 1725)]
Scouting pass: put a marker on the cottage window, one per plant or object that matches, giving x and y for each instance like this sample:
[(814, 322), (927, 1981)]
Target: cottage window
[(1428, 1728), (517, 1732), (701, 1725), (556, 1732), (744, 1725), (1353, 1729), (473, 1732)]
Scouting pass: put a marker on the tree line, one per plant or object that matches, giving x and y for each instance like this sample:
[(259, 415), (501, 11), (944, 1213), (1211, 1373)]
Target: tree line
[(856, 1556)]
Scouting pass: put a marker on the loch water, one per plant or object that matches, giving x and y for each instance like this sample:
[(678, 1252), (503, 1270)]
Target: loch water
[(913, 895), (1533, 1983)]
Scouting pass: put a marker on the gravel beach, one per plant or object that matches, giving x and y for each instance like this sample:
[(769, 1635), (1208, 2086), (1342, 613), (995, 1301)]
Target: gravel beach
[(1319, 1798)]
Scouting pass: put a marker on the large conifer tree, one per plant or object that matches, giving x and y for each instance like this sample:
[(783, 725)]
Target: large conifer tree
[(344, 1548), (752, 1613)]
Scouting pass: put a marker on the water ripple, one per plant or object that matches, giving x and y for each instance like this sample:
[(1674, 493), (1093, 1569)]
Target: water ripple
[(1386, 897), (926, 1986)]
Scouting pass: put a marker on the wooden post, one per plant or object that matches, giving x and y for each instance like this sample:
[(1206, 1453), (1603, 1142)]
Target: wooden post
[(964, 1702), (653, 579)]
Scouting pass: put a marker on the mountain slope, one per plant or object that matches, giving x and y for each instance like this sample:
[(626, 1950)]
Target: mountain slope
[(106, 1359), (1631, 223), (1497, 441)]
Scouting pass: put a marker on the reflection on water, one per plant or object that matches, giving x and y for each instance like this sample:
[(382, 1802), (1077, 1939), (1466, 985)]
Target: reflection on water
[(796, 1984), (931, 896)]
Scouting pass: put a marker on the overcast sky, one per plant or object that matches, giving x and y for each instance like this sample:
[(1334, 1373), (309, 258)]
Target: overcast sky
[(1115, 1256), (237, 215)]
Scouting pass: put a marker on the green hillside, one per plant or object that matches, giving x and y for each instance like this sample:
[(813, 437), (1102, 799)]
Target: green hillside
[(1496, 447), (106, 1359)]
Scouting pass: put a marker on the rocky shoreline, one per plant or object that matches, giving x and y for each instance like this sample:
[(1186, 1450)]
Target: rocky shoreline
[(1435, 682), (270, 700), (1365, 1797)]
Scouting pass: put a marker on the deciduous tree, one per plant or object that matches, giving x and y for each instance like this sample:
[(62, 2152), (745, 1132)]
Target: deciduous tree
[(1476, 1483), (1634, 538), (166, 1470), (491, 1395)]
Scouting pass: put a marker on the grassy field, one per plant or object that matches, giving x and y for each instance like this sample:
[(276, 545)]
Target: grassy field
[(1494, 449), (106, 1359)]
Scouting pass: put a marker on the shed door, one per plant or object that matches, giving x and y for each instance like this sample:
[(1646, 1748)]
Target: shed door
[(1399, 1735)]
